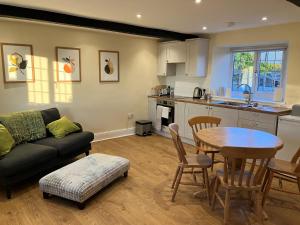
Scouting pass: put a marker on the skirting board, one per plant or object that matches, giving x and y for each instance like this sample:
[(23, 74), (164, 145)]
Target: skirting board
[(114, 134)]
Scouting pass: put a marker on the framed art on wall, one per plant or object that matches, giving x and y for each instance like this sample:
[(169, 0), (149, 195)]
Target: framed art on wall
[(68, 64), (109, 66), (17, 63)]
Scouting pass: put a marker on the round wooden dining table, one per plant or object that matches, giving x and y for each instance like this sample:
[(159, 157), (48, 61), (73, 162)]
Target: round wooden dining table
[(219, 137)]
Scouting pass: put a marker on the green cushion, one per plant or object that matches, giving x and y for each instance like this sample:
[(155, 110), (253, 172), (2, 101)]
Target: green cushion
[(25, 126), (6, 141), (62, 127)]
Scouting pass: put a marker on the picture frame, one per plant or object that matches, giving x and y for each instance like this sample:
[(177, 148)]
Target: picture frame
[(109, 66), (17, 63), (68, 64)]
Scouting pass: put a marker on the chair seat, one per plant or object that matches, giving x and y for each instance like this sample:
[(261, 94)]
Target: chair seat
[(199, 160), (284, 167)]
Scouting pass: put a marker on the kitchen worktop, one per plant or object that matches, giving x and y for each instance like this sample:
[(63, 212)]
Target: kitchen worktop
[(261, 108)]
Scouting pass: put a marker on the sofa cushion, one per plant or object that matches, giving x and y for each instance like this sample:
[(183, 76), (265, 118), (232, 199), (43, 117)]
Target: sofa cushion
[(62, 127), (26, 156), (50, 115), (6, 141), (70, 144), (25, 126)]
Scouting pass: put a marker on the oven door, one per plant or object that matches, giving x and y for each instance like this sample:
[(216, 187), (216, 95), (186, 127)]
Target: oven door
[(170, 119)]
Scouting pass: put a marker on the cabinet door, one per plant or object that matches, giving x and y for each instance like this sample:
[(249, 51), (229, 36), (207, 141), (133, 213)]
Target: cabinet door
[(179, 116), (162, 60), (192, 110), (152, 110), (197, 57), (176, 52), (229, 117)]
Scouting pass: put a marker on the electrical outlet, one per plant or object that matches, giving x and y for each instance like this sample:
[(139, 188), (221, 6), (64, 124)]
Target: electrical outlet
[(130, 115)]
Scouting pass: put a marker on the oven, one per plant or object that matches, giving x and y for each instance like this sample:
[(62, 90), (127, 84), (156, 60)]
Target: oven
[(171, 105)]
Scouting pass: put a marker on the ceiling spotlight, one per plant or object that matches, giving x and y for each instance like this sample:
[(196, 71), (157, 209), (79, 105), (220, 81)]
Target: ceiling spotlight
[(204, 28), (198, 1), (139, 16), (264, 18)]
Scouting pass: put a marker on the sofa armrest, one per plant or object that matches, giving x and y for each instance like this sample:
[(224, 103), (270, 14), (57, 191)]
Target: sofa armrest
[(79, 125)]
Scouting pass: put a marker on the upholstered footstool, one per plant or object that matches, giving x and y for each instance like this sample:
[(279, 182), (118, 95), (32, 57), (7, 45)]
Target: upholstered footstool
[(83, 178)]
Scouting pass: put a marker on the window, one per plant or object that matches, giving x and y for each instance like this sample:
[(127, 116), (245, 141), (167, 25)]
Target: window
[(262, 69)]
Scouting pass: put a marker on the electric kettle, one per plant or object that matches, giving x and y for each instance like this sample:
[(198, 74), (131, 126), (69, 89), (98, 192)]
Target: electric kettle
[(197, 93)]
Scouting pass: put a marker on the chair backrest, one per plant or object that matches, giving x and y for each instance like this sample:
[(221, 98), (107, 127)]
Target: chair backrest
[(296, 160), (202, 122), (178, 143), (246, 167)]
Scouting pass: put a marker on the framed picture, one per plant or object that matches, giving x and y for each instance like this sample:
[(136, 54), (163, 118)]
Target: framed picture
[(17, 61), (68, 64), (109, 66)]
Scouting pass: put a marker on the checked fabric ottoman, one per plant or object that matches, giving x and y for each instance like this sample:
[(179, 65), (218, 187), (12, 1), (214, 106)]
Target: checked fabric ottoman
[(83, 178)]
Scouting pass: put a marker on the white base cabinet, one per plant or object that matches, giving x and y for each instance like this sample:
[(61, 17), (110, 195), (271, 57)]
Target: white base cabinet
[(192, 110), (229, 117), (258, 121), (152, 110), (179, 116)]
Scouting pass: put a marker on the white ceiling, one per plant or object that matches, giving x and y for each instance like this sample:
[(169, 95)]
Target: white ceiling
[(176, 15)]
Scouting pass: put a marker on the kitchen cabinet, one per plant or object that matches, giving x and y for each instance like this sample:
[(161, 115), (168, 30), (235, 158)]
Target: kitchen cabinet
[(152, 110), (179, 116), (258, 121), (192, 110), (176, 52), (197, 57), (229, 117), (162, 60), (192, 53)]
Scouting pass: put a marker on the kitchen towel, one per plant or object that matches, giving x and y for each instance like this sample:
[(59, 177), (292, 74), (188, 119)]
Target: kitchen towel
[(159, 110), (165, 112)]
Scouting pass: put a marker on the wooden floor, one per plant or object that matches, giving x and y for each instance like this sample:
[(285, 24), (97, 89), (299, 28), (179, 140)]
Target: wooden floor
[(142, 198)]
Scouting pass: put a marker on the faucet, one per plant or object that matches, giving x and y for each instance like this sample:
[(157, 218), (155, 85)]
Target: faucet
[(248, 93)]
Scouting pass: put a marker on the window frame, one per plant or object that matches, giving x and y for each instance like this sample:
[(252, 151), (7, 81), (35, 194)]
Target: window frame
[(260, 96)]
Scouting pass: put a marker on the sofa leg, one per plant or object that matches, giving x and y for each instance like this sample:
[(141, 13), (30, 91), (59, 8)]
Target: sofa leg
[(81, 205), (126, 174), (87, 153), (8, 193), (45, 195)]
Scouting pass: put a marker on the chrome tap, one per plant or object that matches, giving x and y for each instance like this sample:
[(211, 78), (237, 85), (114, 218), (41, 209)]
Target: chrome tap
[(247, 94)]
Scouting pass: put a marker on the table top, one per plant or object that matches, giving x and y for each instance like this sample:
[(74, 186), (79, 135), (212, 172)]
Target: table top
[(219, 137)]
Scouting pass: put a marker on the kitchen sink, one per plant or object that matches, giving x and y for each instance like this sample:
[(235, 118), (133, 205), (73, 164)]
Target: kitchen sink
[(236, 104)]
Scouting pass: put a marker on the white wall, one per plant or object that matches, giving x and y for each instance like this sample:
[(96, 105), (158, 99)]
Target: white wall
[(99, 107)]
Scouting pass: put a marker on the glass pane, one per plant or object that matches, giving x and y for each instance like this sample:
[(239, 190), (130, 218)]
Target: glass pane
[(269, 74), (243, 69)]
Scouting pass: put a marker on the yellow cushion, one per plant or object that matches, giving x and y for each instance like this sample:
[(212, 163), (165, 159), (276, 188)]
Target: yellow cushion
[(62, 127), (6, 141)]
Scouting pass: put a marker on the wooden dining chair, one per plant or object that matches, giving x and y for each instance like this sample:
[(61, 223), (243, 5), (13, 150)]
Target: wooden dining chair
[(244, 170), (203, 122), (284, 171), (188, 161)]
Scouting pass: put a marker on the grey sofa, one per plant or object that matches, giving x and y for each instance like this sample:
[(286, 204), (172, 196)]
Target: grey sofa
[(42, 156)]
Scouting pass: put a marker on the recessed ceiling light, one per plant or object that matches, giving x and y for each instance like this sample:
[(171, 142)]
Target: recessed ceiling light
[(204, 28), (198, 1), (139, 16), (264, 18)]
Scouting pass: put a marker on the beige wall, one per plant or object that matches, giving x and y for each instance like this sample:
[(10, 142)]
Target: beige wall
[(99, 107), (286, 33)]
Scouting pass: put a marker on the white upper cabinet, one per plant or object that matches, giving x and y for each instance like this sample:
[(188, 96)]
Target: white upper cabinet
[(197, 57), (176, 52), (162, 60), (193, 52)]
